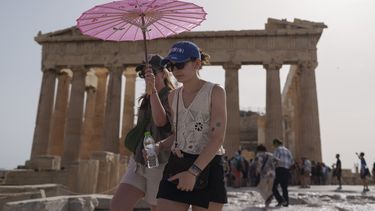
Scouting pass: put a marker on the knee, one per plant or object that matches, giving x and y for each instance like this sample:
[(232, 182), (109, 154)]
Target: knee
[(117, 205)]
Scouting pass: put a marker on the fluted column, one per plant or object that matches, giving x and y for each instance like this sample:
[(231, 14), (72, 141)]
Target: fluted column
[(44, 113), (72, 137), (101, 92), (310, 142), (273, 104), (56, 136), (88, 123), (232, 136), (110, 141), (129, 101)]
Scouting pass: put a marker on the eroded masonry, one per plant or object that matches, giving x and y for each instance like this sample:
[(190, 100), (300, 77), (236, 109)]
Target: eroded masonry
[(78, 140)]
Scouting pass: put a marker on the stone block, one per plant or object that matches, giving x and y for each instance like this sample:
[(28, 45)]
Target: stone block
[(106, 160), (83, 176), (30, 177), (59, 203), (44, 162)]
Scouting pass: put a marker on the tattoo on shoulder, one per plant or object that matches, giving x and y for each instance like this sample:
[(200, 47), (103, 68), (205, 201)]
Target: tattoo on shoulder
[(218, 124)]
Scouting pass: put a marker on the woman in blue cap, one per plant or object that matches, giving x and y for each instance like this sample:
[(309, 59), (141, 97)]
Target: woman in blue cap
[(194, 174)]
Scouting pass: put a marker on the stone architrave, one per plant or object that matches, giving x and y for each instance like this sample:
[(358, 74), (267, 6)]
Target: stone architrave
[(72, 137), (309, 133), (101, 92), (232, 135), (56, 136), (273, 104), (87, 129), (110, 141), (45, 109), (129, 102)]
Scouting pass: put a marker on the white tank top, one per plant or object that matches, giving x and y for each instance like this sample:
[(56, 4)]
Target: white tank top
[(194, 121)]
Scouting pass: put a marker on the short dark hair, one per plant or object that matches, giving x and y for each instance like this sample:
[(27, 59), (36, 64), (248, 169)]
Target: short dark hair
[(362, 154), (261, 148)]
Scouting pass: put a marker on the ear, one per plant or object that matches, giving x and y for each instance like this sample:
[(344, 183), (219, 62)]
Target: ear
[(197, 64)]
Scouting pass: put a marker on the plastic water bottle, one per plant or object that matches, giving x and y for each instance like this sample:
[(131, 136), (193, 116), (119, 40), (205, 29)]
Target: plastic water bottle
[(149, 146)]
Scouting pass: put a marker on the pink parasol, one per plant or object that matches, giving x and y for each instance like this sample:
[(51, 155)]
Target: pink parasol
[(131, 20)]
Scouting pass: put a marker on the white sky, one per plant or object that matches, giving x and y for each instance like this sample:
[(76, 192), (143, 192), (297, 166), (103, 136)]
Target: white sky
[(345, 75)]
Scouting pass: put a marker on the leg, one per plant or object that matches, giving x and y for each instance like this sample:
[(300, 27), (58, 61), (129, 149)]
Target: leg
[(274, 188), (284, 184), (165, 204), (213, 206), (125, 198)]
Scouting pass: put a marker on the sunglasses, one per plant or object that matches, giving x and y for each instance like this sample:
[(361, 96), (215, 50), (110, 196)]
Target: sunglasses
[(141, 72), (178, 65)]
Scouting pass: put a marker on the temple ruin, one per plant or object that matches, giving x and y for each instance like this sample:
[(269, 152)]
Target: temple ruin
[(78, 140)]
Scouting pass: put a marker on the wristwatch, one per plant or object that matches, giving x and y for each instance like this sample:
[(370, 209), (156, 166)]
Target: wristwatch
[(195, 170)]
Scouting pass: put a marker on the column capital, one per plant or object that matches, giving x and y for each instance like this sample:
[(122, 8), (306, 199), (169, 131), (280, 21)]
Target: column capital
[(78, 68), (231, 66), (130, 72), (116, 69), (308, 64), (49, 69), (272, 66)]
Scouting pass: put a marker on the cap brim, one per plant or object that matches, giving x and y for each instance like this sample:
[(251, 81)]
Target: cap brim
[(173, 59)]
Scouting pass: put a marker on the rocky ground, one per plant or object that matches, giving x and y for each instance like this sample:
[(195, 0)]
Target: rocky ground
[(322, 198)]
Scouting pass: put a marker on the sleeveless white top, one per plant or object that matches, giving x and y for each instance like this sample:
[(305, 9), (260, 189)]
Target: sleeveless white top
[(194, 121)]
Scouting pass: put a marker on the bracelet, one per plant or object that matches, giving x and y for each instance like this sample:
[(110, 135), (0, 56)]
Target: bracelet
[(194, 169)]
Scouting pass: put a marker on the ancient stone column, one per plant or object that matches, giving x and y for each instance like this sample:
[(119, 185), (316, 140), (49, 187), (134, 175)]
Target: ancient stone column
[(56, 136), (110, 141), (273, 104), (72, 137), (88, 123), (101, 91), (232, 136), (128, 113), (309, 116), (43, 118)]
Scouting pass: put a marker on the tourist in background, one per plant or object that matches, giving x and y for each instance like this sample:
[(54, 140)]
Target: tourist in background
[(265, 168), (337, 171), (305, 173), (140, 181), (199, 120), (364, 171), (284, 162)]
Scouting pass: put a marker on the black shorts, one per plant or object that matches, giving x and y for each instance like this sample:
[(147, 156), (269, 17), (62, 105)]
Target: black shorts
[(215, 191)]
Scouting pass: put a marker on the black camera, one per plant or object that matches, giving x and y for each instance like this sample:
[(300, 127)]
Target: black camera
[(154, 63)]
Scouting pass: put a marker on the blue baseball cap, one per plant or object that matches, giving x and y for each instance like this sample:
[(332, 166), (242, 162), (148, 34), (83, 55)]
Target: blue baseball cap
[(181, 52)]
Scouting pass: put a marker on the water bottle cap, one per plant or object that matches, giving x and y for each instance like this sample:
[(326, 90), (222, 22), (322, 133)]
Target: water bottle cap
[(147, 133)]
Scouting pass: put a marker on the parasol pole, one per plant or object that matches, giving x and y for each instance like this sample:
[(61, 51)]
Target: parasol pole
[(144, 37), (148, 88)]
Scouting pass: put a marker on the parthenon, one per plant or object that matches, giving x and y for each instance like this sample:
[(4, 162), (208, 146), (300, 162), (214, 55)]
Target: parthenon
[(78, 117)]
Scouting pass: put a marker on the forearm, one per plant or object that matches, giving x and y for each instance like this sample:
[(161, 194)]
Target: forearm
[(158, 112), (209, 152), (166, 144)]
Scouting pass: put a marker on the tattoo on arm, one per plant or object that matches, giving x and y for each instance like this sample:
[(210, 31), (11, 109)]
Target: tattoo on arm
[(218, 124)]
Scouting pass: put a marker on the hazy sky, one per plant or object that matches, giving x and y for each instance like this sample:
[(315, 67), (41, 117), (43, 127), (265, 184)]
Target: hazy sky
[(345, 75)]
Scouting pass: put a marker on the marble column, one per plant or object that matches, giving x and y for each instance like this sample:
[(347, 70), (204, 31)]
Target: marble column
[(273, 104), (309, 134), (56, 136), (44, 113), (101, 92), (72, 137), (129, 102), (110, 141), (88, 123), (232, 136)]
